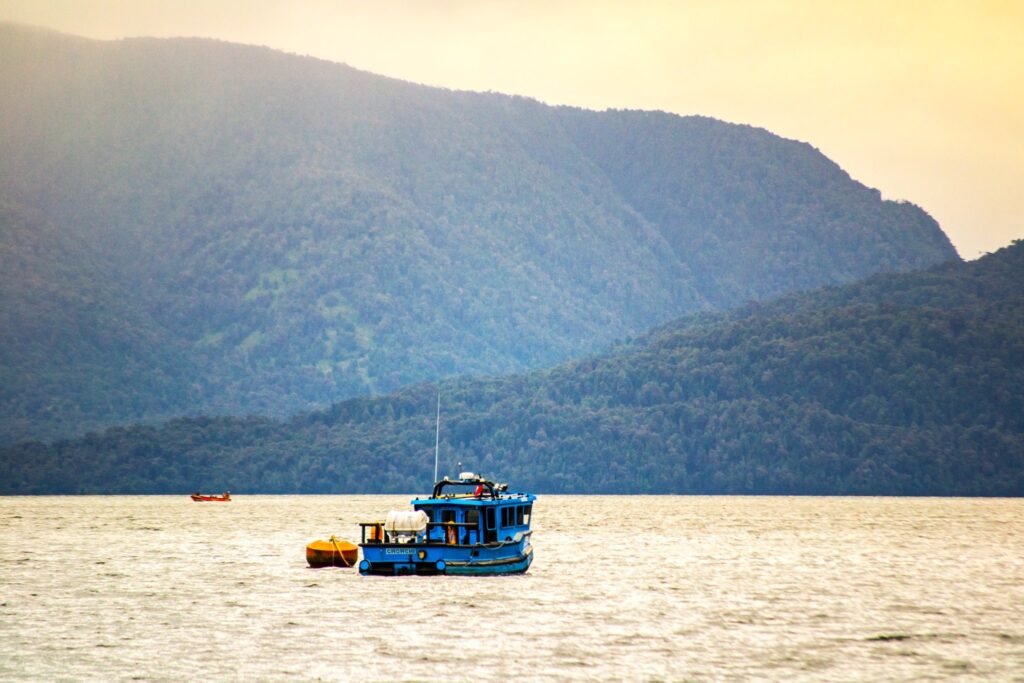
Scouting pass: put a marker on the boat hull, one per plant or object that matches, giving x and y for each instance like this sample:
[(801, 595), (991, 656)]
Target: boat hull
[(517, 565), (433, 559), (198, 498)]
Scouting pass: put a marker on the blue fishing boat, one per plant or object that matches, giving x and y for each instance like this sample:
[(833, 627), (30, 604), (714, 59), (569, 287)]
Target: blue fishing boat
[(468, 525)]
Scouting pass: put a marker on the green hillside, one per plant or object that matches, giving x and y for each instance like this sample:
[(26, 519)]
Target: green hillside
[(66, 332), (908, 384), (289, 232)]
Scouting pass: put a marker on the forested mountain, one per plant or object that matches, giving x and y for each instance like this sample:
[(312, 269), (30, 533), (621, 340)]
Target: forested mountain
[(250, 231), (68, 332), (909, 384)]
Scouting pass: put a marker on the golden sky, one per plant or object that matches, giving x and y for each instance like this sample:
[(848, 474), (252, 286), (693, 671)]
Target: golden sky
[(922, 99)]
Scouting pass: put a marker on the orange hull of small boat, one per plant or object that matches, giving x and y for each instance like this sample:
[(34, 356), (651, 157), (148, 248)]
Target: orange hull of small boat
[(199, 498), (327, 554)]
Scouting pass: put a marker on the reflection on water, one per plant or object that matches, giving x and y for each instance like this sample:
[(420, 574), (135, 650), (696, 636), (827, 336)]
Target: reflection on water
[(638, 588)]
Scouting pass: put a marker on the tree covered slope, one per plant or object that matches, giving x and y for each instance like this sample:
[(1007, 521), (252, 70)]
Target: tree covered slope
[(909, 384), (290, 232), (67, 332)]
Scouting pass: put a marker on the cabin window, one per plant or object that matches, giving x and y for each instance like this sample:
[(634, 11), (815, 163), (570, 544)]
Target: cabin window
[(447, 516), (489, 532), (472, 516), (526, 514), (519, 515), (505, 522)]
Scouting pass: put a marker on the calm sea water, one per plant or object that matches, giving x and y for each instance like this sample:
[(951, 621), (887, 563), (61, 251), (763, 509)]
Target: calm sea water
[(627, 588)]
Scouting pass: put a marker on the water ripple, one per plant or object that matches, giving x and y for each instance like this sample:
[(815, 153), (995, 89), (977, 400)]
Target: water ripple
[(640, 588)]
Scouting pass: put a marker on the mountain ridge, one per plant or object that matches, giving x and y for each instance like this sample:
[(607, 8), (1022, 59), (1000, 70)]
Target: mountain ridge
[(297, 231), (902, 384)]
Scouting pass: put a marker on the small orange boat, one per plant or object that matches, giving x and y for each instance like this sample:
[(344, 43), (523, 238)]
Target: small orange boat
[(205, 498), (335, 552)]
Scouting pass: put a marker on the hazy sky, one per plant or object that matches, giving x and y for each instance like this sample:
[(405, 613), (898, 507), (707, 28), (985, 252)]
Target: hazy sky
[(923, 100)]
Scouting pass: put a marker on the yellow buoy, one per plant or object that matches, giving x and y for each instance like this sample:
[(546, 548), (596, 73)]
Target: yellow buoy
[(335, 552)]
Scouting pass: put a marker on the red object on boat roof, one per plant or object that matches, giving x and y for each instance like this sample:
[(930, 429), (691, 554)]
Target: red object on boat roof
[(205, 498)]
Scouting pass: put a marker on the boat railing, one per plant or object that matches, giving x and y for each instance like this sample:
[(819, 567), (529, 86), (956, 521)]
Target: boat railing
[(455, 533)]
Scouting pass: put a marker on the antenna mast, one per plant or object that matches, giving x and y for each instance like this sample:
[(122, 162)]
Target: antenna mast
[(437, 434)]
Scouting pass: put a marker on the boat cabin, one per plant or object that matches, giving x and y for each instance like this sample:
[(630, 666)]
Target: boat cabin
[(469, 511), (474, 511)]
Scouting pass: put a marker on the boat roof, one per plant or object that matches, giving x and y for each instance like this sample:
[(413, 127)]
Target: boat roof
[(462, 491)]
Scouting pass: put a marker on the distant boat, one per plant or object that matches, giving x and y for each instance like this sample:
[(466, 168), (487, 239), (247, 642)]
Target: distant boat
[(466, 526), (334, 552), (211, 498)]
